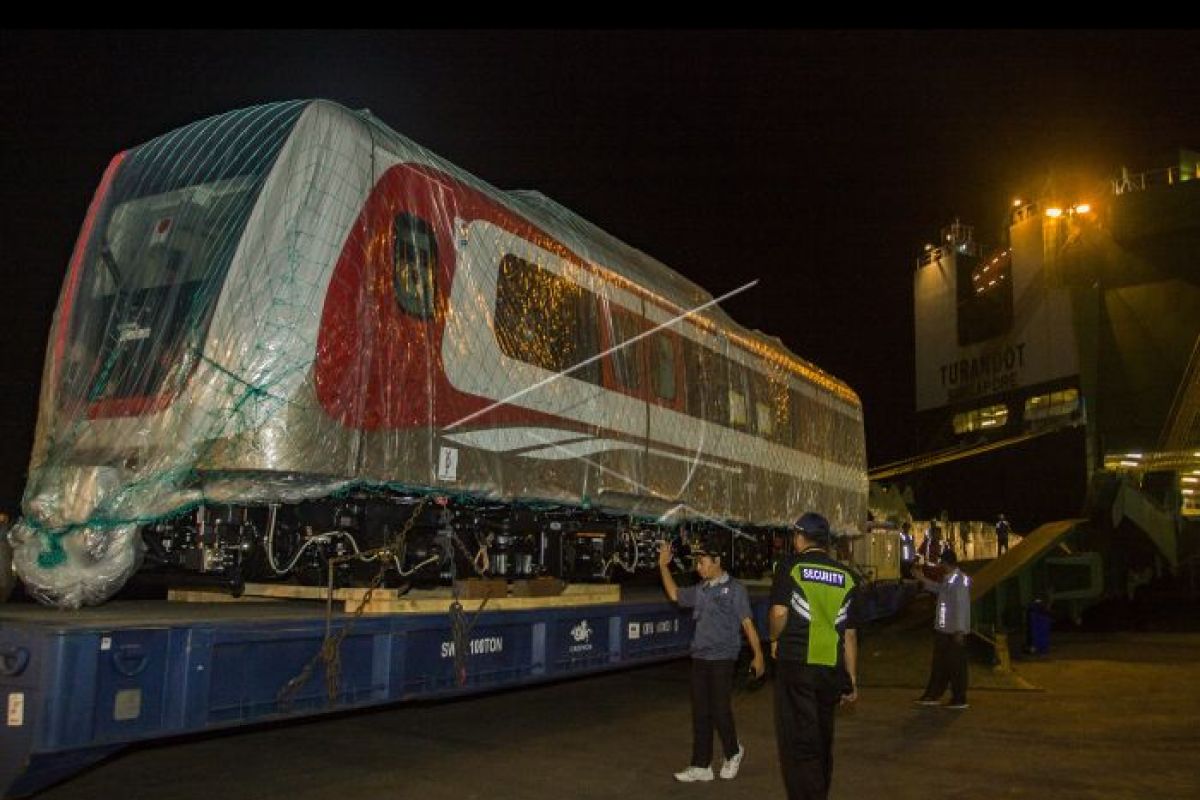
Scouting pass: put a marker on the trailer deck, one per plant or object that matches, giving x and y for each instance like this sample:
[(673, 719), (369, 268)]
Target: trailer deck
[(81, 685)]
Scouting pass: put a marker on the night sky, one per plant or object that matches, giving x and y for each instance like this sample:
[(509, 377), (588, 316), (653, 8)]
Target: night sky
[(817, 162)]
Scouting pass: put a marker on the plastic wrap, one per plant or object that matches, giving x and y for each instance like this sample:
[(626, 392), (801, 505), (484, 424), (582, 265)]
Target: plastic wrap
[(84, 568), (285, 302)]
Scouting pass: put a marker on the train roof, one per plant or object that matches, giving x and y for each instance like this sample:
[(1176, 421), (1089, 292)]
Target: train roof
[(637, 270), (597, 246)]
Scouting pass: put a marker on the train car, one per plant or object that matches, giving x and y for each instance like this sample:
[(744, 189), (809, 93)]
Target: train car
[(289, 336)]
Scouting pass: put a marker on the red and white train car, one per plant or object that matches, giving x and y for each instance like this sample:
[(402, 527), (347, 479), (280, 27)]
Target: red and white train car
[(283, 327)]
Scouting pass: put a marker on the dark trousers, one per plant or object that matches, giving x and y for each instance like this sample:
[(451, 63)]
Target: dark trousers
[(1001, 545), (806, 699), (712, 693), (949, 667)]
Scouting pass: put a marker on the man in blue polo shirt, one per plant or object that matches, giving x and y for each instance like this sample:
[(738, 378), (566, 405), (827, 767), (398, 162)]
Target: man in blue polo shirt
[(721, 609)]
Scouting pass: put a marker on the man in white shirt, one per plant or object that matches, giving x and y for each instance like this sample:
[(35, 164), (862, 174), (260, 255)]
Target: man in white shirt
[(951, 624)]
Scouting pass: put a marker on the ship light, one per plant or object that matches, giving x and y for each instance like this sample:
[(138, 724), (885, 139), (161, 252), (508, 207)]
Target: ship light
[(1191, 480), (1128, 463), (1054, 213), (1016, 202), (1083, 208)]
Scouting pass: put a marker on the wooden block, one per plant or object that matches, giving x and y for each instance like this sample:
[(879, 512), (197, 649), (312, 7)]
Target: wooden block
[(199, 596), (285, 591), (594, 589), (195, 595), (573, 595), (478, 588), (526, 595), (538, 587)]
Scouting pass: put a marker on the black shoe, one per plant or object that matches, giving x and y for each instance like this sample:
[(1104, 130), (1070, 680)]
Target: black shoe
[(957, 706), (927, 701)]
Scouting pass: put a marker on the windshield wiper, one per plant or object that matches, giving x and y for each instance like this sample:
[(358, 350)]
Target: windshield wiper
[(110, 262)]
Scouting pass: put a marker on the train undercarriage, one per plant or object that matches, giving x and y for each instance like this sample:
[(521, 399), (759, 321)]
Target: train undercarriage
[(405, 541)]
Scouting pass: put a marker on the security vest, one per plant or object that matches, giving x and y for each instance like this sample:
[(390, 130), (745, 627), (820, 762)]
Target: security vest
[(819, 594)]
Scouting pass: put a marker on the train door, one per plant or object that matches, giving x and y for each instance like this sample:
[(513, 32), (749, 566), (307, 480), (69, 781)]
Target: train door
[(741, 409), (670, 462), (379, 363), (626, 377)]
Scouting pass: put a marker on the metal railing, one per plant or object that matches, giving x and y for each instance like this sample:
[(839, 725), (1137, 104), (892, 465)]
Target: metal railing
[(1141, 181), (980, 541)]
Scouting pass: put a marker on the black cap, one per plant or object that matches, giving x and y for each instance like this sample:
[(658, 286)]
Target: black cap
[(814, 527)]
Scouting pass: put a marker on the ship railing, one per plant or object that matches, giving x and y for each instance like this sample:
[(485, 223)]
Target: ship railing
[(930, 256), (1024, 212), (1141, 181)]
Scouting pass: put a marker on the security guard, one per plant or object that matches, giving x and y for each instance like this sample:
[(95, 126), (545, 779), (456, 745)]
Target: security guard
[(814, 636)]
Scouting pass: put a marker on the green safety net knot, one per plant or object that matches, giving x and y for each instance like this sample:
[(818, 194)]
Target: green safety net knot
[(53, 554)]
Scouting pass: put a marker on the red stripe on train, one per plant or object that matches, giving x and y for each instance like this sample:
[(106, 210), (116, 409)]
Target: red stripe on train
[(376, 366)]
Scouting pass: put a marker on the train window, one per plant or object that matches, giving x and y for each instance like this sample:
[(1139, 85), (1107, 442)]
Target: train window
[(695, 378), (663, 365), (781, 409), (760, 416), (811, 425), (739, 401), (794, 409), (764, 419), (627, 360), (716, 375), (416, 263), (771, 416), (545, 320), (707, 397), (737, 408)]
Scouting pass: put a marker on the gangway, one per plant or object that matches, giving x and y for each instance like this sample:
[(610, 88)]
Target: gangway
[(1045, 564), (956, 453)]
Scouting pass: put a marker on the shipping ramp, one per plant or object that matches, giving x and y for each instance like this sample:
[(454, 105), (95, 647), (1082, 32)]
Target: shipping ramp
[(1020, 557)]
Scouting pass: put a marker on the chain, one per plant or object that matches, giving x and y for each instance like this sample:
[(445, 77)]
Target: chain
[(330, 652), (460, 626)]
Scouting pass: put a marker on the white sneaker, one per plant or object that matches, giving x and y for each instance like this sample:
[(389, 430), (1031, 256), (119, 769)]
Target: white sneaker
[(693, 774), (729, 769)]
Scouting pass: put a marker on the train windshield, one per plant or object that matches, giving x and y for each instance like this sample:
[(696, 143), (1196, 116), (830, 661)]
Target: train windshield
[(157, 256)]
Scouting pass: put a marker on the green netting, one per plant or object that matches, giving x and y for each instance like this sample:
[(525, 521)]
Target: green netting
[(291, 301)]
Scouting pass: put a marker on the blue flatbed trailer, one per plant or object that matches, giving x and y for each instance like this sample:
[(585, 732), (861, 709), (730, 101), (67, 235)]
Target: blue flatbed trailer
[(79, 686)]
